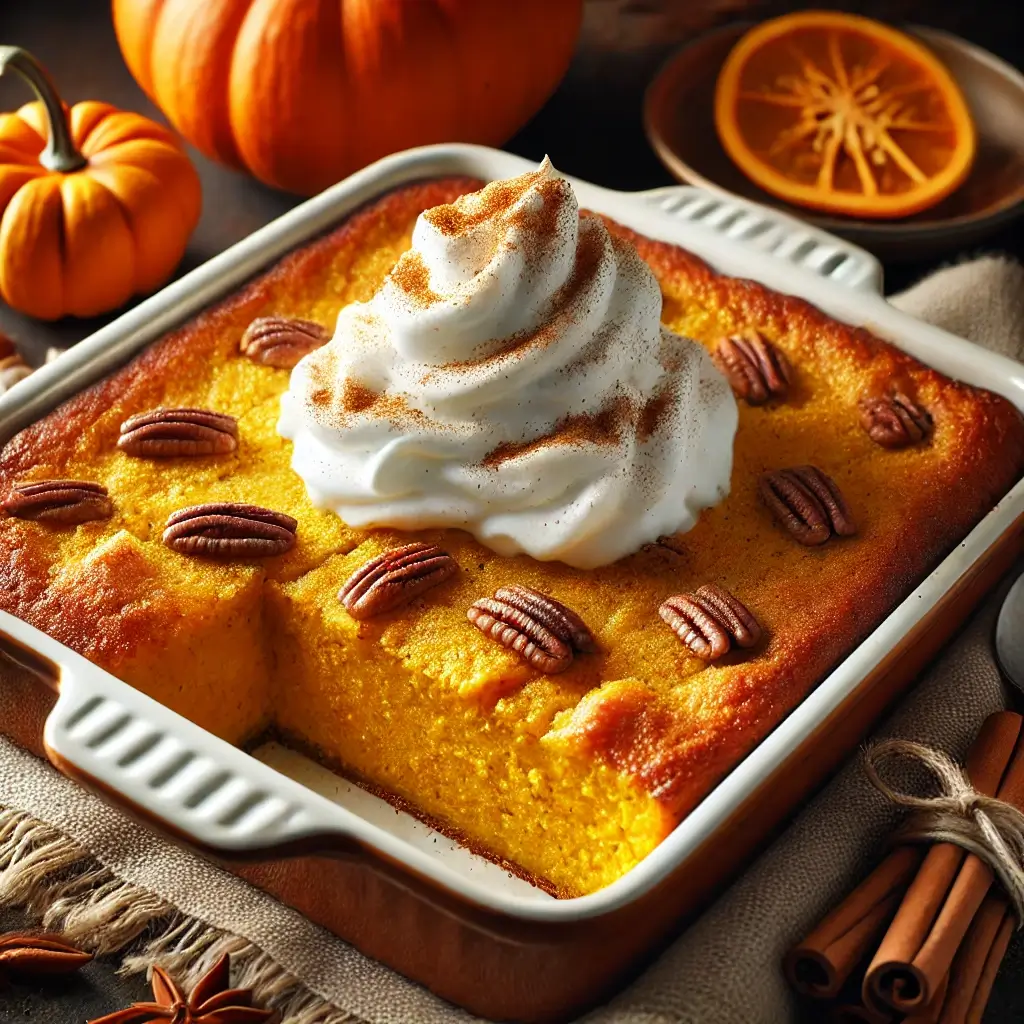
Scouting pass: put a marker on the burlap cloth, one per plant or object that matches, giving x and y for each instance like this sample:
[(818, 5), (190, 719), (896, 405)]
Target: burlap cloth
[(724, 968)]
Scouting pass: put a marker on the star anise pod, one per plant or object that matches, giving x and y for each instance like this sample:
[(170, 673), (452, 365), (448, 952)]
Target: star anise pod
[(28, 955), (211, 1002)]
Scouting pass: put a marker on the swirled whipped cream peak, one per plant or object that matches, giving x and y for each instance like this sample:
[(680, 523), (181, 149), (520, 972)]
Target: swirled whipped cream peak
[(511, 377)]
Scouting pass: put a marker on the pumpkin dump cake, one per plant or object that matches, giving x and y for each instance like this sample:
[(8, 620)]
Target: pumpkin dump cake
[(539, 594)]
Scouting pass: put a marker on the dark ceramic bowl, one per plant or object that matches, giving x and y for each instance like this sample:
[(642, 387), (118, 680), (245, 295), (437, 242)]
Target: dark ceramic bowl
[(679, 121)]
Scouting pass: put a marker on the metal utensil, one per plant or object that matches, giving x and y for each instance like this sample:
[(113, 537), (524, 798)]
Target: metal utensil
[(1010, 635)]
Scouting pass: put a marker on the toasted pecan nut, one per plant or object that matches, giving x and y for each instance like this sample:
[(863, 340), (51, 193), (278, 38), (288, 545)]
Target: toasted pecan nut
[(695, 626), (521, 633), (757, 371), (36, 955), (710, 621), (394, 578), (62, 502), (808, 503), (230, 530), (282, 341), (541, 630), (551, 614), (744, 630), (894, 420), (166, 433)]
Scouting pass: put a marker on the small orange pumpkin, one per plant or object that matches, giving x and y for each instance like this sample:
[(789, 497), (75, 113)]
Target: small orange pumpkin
[(303, 92), (96, 204)]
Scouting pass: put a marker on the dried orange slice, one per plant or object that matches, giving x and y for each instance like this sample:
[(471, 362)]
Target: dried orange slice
[(841, 113)]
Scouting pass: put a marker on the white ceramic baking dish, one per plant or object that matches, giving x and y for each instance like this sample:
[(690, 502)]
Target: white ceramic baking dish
[(233, 804)]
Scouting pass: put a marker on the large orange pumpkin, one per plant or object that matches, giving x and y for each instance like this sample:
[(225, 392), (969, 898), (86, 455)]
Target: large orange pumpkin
[(96, 204), (303, 92)]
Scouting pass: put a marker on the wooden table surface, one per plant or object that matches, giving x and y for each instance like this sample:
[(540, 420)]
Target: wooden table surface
[(591, 128)]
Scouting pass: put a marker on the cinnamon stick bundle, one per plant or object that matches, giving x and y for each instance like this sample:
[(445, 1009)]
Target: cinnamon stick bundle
[(851, 1009), (819, 966), (963, 994), (847, 1007), (918, 949)]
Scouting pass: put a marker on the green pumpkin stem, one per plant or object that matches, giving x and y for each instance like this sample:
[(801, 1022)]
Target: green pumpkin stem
[(60, 153)]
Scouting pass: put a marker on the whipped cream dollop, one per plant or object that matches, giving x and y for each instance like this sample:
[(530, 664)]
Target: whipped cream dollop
[(511, 377)]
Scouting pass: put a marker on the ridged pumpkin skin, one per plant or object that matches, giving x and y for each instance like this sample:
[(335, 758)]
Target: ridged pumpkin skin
[(303, 92), (83, 242)]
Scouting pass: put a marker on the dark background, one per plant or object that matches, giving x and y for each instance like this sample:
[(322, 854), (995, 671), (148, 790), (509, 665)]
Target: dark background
[(591, 127)]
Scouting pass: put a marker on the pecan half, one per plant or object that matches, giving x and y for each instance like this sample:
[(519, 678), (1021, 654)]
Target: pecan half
[(165, 433), (230, 530), (807, 503), (394, 578), (25, 953), (282, 341), (541, 630), (894, 421), (710, 621), (756, 370), (551, 614), (64, 502)]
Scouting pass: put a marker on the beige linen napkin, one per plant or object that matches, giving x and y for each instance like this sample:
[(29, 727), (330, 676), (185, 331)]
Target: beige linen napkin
[(106, 880)]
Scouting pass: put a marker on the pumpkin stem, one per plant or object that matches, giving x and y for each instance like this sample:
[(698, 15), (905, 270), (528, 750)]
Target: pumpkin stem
[(60, 153)]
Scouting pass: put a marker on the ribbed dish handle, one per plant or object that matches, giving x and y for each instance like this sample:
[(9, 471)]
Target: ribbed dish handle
[(164, 769), (774, 233)]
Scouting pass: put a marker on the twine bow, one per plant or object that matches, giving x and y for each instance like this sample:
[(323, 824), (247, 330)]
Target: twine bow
[(991, 829)]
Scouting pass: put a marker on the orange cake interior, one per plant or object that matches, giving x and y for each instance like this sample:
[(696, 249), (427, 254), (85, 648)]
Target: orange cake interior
[(571, 778)]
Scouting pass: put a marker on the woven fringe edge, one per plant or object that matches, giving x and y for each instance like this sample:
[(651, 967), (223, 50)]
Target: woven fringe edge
[(62, 885)]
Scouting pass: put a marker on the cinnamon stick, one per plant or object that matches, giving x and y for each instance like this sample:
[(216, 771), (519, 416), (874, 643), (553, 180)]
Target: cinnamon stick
[(853, 1010), (819, 966), (963, 994), (931, 1013), (931, 922), (977, 961)]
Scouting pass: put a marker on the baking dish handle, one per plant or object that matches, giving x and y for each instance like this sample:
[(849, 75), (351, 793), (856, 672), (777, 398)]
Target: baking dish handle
[(773, 233), (163, 769)]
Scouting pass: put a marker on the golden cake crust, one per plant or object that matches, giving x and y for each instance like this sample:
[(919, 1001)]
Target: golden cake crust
[(644, 705), (637, 733), (91, 619)]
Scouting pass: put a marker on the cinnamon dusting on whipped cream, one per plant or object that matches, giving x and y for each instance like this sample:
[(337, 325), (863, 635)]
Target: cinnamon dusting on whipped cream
[(651, 418), (512, 378), (603, 427), (566, 307), (495, 199), (606, 427), (412, 276), (357, 398)]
